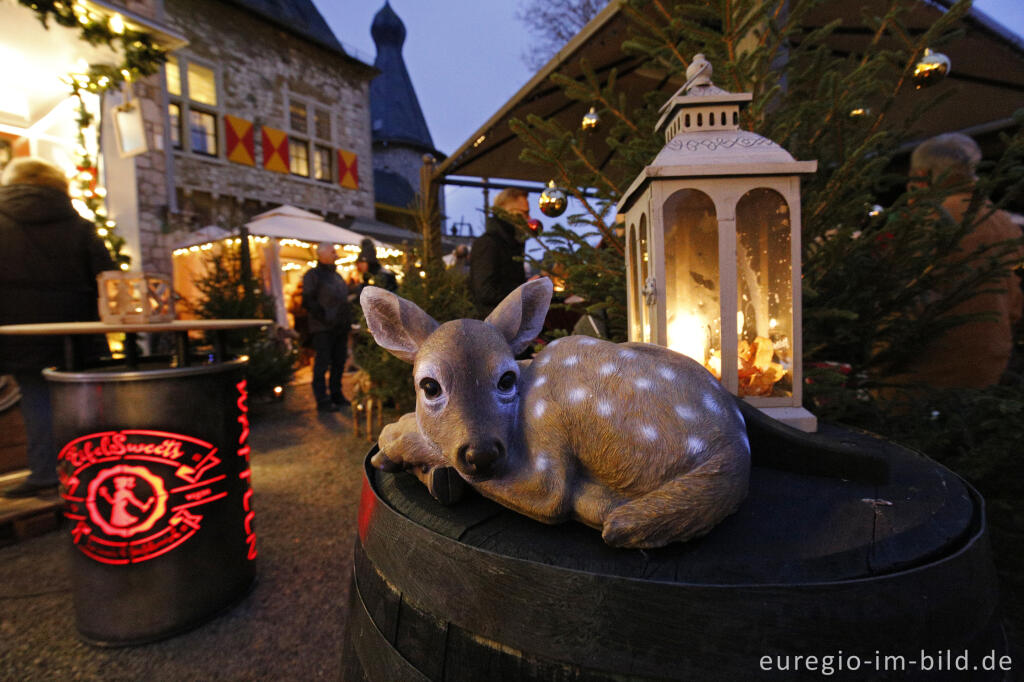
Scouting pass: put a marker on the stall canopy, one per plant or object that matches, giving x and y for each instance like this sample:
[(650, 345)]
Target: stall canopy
[(984, 87), (289, 222), (280, 242)]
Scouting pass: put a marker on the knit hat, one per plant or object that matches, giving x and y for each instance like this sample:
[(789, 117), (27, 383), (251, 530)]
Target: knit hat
[(367, 253)]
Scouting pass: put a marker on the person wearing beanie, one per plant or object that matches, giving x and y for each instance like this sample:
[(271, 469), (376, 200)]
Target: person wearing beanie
[(371, 271)]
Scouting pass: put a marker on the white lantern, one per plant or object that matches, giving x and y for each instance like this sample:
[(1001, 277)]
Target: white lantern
[(713, 248)]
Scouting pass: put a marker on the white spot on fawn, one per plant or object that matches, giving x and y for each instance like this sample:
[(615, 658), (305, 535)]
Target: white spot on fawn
[(667, 373), (604, 408), (607, 369), (588, 341), (570, 360), (694, 444), (649, 432), (543, 359), (542, 463), (627, 354), (539, 408), (711, 405), (577, 394), (686, 412), (643, 383), (540, 381)]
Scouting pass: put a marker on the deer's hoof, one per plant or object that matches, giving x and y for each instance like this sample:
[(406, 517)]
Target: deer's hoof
[(385, 463), (445, 484)]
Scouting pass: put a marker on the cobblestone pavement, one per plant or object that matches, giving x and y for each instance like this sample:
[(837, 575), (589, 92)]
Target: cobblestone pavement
[(306, 470)]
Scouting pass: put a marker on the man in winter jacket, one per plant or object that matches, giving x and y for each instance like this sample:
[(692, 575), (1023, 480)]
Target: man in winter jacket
[(496, 265), (975, 353), (325, 296), (51, 257)]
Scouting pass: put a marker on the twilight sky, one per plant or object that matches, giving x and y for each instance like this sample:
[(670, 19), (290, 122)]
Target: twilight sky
[(464, 57)]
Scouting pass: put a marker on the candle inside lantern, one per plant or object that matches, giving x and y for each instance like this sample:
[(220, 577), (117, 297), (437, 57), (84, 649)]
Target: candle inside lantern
[(688, 334)]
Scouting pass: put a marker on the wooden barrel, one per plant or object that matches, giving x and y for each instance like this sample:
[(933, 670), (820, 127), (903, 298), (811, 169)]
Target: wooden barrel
[(879, 569)]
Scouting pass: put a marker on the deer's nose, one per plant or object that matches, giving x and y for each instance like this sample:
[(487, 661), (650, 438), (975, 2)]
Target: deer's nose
[(479, 459)]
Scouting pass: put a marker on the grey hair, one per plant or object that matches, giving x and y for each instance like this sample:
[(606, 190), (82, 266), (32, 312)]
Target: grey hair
[(952, 156), (508, 195)]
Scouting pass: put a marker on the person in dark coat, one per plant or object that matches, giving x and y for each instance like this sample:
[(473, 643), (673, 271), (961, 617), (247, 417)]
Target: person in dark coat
[(371, 271), (496, 264), (325, 297), (50, 257)]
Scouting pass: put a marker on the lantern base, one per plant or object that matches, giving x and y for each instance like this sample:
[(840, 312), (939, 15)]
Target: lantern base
[(797, 417)]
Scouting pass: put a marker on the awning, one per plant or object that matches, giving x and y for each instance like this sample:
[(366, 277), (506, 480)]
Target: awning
[(985, 85), (288, 222)]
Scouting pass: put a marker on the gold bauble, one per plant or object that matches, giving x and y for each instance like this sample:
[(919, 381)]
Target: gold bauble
[(591, 120), (933, 67), (552, 202)]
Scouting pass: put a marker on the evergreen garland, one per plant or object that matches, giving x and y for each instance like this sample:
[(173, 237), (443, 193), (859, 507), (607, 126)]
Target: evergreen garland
[(141, 57)]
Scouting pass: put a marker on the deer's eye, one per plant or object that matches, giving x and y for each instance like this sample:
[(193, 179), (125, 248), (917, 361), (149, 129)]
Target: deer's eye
[(431, 389), (507, 381)]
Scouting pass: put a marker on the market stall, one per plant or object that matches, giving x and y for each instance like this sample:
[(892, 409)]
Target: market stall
[(281, 243)]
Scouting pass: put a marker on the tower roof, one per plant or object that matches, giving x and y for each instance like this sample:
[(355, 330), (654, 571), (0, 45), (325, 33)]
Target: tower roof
[(395, 112)]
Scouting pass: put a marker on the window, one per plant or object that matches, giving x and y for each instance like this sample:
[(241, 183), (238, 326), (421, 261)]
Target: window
[(322, 164), (203, 132), (322, 123), (173, 76), (192, 112), (310, 139), (202, 86), (298, 151), (174, 124), (298, 117)]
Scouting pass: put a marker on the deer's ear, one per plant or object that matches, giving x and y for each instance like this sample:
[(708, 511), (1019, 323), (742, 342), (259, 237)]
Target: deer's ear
[(520, 317), (398, 326)]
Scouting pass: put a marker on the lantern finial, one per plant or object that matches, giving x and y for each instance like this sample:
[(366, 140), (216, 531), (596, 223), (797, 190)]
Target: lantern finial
[(698, 72)]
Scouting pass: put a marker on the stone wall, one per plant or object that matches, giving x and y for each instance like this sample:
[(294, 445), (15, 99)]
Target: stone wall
[(258, 66)]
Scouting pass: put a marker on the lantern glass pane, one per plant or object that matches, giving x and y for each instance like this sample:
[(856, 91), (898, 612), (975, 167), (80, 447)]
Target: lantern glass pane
[(764, 273), (634, 286), (692, 293), (644, 269)]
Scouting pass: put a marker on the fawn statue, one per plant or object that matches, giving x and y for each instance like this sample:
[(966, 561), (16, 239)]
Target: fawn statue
[(632, 439)]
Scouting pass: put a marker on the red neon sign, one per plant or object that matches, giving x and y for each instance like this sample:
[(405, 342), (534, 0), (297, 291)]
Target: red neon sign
[(245, 474), (133, 494)]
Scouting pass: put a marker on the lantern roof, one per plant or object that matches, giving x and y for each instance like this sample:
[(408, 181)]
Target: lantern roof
[(703, 138)]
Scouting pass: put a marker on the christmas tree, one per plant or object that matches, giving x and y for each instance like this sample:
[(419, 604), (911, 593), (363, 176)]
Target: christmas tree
[(227, 291)]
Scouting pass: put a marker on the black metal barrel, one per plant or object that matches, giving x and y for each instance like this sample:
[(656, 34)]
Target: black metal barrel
[(867, 561), (154, 469)]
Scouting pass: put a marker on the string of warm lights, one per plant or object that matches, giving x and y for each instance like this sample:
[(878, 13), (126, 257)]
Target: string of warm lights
[(141, 57)]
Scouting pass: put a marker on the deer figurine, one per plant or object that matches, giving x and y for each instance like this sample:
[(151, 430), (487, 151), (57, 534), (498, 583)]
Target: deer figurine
[(635, 440)]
